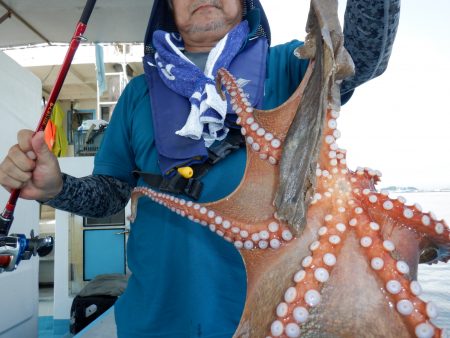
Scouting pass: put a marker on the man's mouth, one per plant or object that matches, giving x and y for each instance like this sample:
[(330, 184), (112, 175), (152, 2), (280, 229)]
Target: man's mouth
[(204, 6)]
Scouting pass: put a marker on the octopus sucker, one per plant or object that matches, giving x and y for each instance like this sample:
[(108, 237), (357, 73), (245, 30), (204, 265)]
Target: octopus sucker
[(350, 271)]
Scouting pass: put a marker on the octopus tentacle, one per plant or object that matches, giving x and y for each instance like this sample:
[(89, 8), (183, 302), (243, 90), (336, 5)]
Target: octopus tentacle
[(269, 233), (412, 216), (305, 293), (401, 291), (256, 135)]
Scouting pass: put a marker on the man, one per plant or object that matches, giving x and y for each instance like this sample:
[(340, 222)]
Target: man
[(185, 282)]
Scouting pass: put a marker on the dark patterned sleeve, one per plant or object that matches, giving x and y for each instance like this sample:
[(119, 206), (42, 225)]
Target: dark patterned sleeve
[(370, 27), (92, 196)]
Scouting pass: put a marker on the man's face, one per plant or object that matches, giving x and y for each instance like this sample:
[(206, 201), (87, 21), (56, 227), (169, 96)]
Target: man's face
[(203, 20)]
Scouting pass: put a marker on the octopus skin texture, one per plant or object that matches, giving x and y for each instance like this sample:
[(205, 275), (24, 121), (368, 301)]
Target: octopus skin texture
[(351, 271), (346, 214)]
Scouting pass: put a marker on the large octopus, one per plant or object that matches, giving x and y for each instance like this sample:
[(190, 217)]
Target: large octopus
[(347, 266)]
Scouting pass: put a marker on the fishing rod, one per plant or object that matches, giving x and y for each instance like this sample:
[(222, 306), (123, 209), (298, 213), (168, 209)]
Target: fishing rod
[(17, 247)]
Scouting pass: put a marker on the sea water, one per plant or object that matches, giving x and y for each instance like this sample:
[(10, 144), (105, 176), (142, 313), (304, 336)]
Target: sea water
[(435, 279)]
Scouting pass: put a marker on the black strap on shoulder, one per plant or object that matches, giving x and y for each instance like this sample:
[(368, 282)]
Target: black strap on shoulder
[(192, 187), (232, 142)]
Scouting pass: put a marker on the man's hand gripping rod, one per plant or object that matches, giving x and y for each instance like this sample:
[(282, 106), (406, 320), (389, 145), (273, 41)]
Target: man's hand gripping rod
[(17, 247)]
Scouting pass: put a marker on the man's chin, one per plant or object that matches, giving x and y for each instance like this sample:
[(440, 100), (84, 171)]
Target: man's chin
[(208, 26)]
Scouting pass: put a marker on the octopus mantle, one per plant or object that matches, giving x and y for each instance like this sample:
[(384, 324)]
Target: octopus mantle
[(351, 272)]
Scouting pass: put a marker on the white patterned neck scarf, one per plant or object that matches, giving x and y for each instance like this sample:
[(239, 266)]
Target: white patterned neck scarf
[(208, 110)]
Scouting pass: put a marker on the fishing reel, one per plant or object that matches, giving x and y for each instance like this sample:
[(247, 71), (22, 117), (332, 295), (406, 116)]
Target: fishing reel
[(17, 247)]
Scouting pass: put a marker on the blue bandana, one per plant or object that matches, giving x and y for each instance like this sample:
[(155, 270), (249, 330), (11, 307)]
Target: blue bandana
[(208, 110)]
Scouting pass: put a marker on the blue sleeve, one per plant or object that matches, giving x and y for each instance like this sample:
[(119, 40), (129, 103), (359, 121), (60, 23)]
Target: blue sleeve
[(284, 73), (116, 157)]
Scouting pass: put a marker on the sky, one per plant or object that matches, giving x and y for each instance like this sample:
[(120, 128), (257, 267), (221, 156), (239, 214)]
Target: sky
[(399, 122)]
